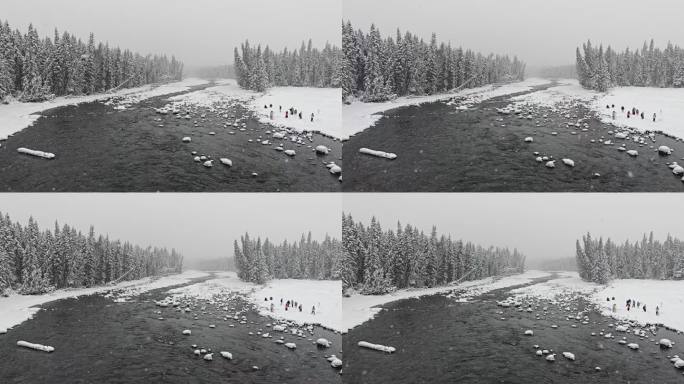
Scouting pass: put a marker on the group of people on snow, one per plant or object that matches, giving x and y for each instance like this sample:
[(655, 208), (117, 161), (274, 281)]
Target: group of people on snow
[(633, 304), (630, 113), (292, 112), (290, 304)]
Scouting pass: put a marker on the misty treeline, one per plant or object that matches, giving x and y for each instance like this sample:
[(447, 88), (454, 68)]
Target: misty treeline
[(35, 69), (258, 261), (377, 261), (600, 261), (258, 69), (34, 261), (377, 68), (601, 69)]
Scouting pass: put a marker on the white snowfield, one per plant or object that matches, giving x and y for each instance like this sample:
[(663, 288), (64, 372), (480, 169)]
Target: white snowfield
[(359, 116), (666, 294), (326, 295), (357, 309), (666, 103), (324, 103), (16, 308), (16, 115)]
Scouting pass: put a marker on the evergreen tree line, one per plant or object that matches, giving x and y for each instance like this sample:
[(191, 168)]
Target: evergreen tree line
[(377, 68), (600, 261), (258, 69), (601, 69), (35, 69), (34, 261), (258, 261), (377, 261)]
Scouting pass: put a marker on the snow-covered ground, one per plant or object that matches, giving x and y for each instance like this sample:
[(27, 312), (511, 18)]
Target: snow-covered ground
[(666, 294), (326, 295), (357, 309), (16, 116), (666, 103), (16, 308), (359, 116), (324, 103)]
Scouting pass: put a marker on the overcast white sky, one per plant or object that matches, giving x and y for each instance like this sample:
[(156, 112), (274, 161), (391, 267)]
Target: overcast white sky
[(541, 32), (201, 226), (542, 225), (199, 32)]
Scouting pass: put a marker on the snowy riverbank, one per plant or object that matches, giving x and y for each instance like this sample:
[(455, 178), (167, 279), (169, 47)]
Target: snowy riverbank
[(359, 116), (16, 308), (324, 103), (666, 103), (326, 295), (16, 116), (666, 294), (358, 308)]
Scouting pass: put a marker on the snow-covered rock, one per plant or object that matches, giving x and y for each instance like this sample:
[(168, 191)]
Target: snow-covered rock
[(551, 358), (633, 152), (372, 152), (665, 343), (335, 169), (529, 139), (187, 139), (208, 163), (322, 149), (187, 332), (226, 161), (290, 152), (633, 346), (227, 355), (569, 355), (529, 332), (569, 162), (678, 170), (279, 328), (291, 345), (621, 328), (32, 152), (38, 347), (678, 363), (377, 347), (323, 343), (664, 150), (335, 362), (209, 357), (550, 164)]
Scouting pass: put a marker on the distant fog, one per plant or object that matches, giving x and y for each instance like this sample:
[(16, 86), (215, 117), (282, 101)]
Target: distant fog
[(541, 32), (199, 32), (199, 225)]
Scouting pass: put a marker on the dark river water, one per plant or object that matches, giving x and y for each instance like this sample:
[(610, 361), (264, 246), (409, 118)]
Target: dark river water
[(441, 149), (100, 149), (439, 340), (99, 341)]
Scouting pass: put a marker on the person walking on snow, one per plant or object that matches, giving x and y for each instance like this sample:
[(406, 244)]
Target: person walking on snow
[(286, 114), (657, 310), (614, 307), (313, 310), (613, 115), (312, 116), (654, 117), (644, 307)]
